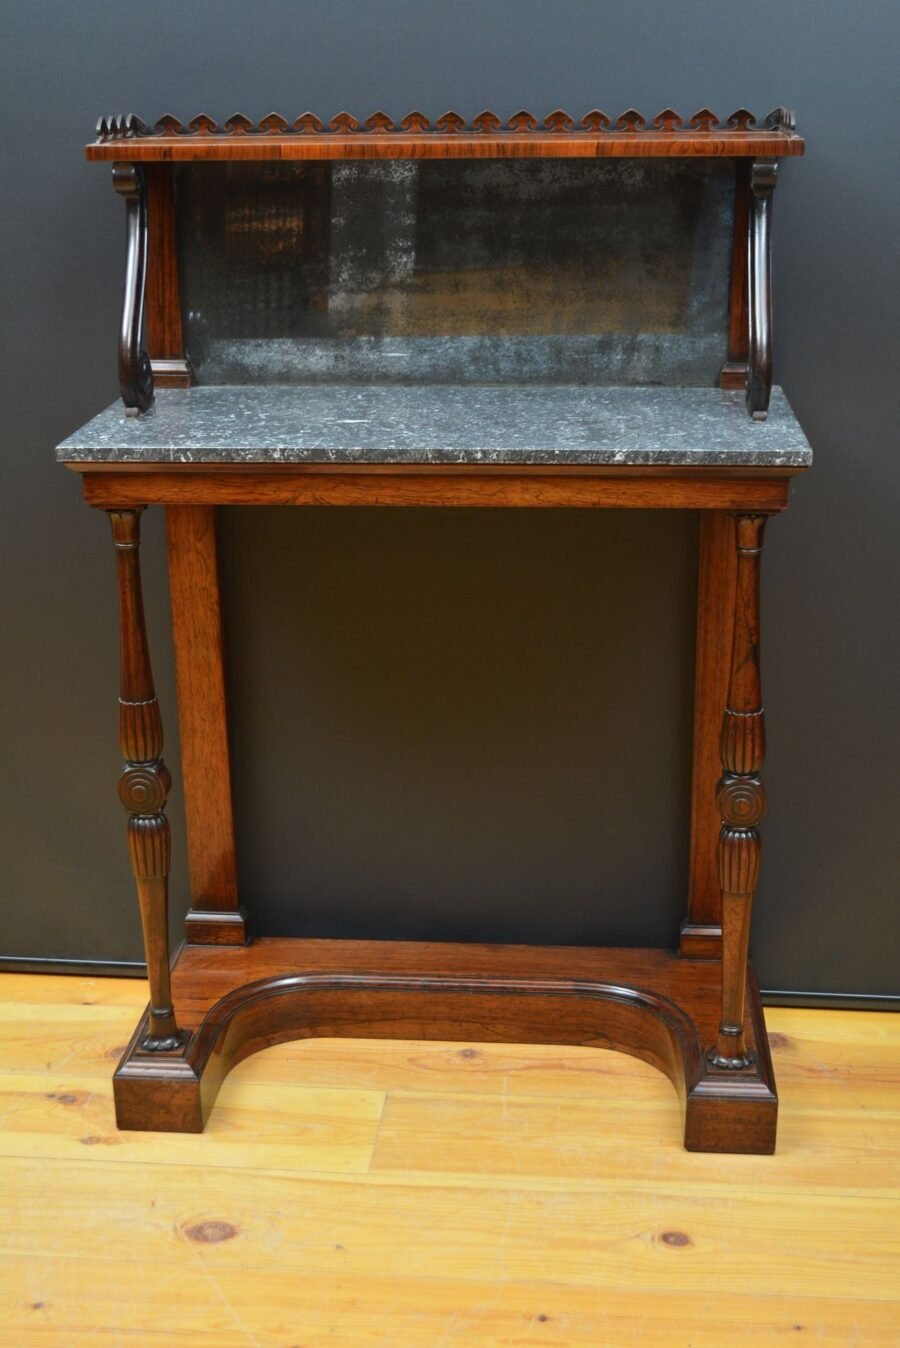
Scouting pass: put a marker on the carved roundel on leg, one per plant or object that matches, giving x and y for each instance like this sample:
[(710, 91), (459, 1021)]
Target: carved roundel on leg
[(741, 801), (143, 789)]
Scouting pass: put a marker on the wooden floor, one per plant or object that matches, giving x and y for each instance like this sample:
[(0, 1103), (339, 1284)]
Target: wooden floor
[(425, 1195)]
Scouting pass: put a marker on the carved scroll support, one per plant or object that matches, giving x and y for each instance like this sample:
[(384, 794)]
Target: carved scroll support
[(145, 781), (741, 796), (759, 368), (135, 374)]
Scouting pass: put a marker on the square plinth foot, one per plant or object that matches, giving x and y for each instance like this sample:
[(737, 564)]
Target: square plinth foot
[(158, 1101), (736, 1110), (202, 927), (159, 1092), (725, 1118)]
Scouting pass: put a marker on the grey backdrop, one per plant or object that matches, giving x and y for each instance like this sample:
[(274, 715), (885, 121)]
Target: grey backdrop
[(451, 723)]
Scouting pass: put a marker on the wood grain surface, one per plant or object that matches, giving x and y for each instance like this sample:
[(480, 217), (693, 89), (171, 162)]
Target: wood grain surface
[(162, 300), (663, 1009), (419, 1195), (203, 724), (120, 486)]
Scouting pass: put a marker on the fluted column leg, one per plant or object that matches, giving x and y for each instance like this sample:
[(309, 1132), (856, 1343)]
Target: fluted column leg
[(741, 797), (145, 781)]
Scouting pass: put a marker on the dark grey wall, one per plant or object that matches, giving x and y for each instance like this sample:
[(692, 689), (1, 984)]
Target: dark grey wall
[(453, 724)]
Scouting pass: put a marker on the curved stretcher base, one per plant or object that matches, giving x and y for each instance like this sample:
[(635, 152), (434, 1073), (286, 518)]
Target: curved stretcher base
[(234, 1001)]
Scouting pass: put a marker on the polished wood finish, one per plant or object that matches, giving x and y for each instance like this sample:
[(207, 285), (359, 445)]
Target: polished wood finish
[(646, 1002), (734, 371), (694, 1015), (426, 485), (143, 172), (656, 1005), (741, 798), (595, 135), (763, 175), (144, 784), (135, 375), (165, 341), (701, 932), (215, 913)]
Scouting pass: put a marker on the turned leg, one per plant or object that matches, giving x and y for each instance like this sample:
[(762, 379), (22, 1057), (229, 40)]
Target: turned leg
[(741, 796), (144, 784)]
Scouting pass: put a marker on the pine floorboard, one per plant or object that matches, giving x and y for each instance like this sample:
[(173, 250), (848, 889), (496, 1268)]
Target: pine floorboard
[(411, 1195)]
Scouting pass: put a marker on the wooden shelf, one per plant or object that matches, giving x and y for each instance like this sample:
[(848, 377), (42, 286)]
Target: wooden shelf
[(649, 145)]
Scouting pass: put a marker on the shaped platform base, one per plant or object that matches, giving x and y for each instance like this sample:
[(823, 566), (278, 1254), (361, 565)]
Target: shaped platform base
[(653, 1004)]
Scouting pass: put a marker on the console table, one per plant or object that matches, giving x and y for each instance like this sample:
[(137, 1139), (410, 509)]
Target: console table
[(516, 314)]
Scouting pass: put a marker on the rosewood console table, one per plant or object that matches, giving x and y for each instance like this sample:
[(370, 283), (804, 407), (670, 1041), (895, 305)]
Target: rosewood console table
[(484, 314)]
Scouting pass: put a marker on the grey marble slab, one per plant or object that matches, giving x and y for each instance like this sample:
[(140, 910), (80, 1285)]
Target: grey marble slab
[(525, 424)]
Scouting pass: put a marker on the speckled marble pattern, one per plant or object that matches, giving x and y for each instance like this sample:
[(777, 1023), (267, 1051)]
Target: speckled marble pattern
[(525, 424)]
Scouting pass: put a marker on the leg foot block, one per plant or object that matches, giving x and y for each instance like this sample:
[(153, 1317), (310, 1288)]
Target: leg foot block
[(203, 927)]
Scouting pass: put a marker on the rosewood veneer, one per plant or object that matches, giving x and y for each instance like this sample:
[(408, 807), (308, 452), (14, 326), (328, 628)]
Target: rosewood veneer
[(550, 368)]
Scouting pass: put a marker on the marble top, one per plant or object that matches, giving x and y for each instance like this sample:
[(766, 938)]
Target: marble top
[(444, 423)]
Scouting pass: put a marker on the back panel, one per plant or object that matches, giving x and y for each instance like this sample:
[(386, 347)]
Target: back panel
[(485, 271)]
